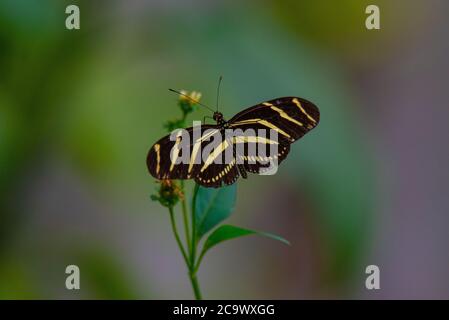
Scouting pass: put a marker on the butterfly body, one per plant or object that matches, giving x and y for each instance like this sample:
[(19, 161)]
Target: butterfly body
[(218, 117), (288, 117)]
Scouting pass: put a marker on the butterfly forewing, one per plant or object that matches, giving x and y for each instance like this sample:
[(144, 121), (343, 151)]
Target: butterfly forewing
[(290, 117), (164, 157)]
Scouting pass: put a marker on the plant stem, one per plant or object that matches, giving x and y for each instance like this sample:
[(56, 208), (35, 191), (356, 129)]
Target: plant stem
[(193, 270), (185, 218), (191, 242), (175, 232), (197, 265), (195, 285), (194, 242)]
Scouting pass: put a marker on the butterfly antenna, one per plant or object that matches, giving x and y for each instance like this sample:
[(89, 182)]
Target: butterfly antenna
[(218, 89), (193, 100)]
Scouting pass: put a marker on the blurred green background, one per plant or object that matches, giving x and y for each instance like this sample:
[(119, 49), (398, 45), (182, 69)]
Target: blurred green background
[(80, 109)]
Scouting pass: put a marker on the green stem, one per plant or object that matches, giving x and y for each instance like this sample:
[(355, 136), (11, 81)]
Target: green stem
[(175, 232), (185, 218), (189, 259), (195, 285), (193, 270), (198, 262), (194, 239)]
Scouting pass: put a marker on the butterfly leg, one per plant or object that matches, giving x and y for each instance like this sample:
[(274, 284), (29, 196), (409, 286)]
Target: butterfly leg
[(206, 117), (242, 171), (240, 167)]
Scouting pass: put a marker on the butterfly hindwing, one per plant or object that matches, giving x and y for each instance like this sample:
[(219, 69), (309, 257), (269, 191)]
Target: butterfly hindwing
[(218, 174), (218, 165), (238, 155), (259, 164)]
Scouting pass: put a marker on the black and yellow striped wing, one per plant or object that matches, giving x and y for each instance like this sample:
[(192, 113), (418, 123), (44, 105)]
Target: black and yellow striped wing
[(290, 117), (161, 159), (228, 158)]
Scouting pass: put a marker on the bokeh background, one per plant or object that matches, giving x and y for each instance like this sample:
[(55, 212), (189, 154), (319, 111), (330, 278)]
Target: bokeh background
[(80, 109)]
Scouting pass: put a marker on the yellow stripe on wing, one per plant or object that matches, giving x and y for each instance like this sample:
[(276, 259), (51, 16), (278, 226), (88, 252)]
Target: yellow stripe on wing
[(253, 139), (157, 149), (284, 115), (262, 122), (176, 154), (217, 151), (197, 146), (296, 101)]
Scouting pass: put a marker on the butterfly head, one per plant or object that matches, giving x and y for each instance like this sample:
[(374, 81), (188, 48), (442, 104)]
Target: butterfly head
[(218, 117)]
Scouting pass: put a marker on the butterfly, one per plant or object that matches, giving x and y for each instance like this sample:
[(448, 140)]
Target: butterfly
[(289, 118)]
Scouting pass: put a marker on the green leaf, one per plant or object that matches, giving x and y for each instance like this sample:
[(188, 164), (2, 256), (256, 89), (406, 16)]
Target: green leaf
[(212, 206), (228, 232)]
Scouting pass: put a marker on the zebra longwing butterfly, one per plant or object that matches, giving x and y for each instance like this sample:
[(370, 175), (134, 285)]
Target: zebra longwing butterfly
[(289, 117)]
